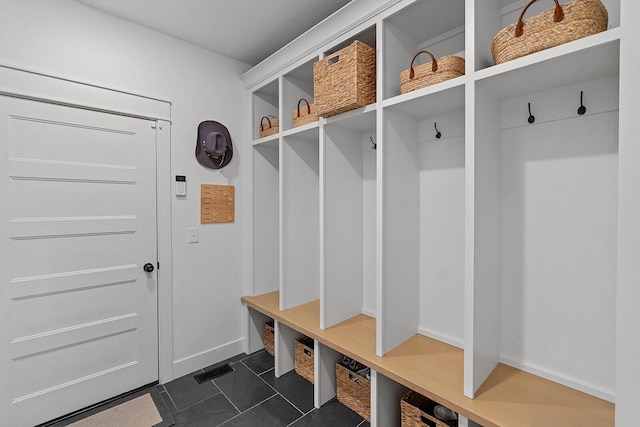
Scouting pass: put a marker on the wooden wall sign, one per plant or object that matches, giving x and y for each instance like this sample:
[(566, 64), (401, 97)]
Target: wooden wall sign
[(217, 203)]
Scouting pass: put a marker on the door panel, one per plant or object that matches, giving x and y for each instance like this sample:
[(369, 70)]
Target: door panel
[(77, 224)]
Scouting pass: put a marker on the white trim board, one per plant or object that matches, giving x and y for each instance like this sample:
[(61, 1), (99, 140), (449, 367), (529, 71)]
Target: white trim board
[(29, 84)]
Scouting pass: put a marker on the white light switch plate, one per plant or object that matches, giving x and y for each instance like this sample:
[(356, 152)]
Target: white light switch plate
[(192, 235)]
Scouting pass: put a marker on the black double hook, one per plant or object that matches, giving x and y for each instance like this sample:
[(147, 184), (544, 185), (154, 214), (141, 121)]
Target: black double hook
[(438, 134), (373, 144)]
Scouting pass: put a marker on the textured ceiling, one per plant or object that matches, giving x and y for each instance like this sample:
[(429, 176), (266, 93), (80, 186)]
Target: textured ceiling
[(246, 30)]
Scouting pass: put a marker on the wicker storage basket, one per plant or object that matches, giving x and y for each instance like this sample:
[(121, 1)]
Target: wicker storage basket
[(345, 80), (268, 338), (417, 411), (445, 68), (304, 358), (353, 391), (269, 127), (562, 24), (306, 115)]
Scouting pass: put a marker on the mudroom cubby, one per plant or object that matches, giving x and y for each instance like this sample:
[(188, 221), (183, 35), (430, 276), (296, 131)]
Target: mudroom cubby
[(553, 184), (422, 181), (468, 240), (437, 26), (296, 85), (348, 207), (265, 103)]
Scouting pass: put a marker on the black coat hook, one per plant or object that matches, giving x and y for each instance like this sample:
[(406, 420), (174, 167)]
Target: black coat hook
[(582, 108), (373, 144), (531, 118), (438, 134)]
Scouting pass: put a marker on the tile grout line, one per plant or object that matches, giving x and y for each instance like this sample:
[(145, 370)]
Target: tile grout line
[(200, 401), (274, 389), (254, 372), (171, 399), (226, 397), (296, 420), (246, 410)]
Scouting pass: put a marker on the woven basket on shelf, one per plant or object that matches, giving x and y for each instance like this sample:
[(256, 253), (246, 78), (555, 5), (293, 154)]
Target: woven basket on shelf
[(435, 71), (304, 358), (306, 115), (353, 391), (268, 128), (345, 80), (417, 411), (562, 24), (268, 338)]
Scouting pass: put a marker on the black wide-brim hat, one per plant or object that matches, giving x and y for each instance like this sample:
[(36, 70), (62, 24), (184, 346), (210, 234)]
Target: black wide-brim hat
[(214, 148)]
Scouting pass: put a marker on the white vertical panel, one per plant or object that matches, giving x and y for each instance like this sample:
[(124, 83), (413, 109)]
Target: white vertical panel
[(342, 221), (466, 422), (255, 330), (165, 273), (628, 291), (386, 395), (325, 359), (398, 315), (482, 331), (369, 304), (285, 338)]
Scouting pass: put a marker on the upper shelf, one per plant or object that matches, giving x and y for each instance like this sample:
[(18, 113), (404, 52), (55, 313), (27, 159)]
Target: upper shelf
[(439, 98), (585, 59)]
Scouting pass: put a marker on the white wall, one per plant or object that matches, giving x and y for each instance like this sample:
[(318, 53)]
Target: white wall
[(67, 39)]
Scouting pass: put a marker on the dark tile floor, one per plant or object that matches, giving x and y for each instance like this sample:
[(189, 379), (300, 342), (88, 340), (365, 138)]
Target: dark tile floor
[(251, 395)]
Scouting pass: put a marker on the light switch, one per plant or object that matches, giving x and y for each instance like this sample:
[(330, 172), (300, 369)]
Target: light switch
[(192, 234)]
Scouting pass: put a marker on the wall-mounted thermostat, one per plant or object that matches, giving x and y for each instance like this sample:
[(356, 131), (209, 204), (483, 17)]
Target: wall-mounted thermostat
[(181, 185)]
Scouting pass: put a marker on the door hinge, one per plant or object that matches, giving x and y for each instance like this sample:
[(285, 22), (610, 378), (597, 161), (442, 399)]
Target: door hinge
[(158, 265), (153, 125)]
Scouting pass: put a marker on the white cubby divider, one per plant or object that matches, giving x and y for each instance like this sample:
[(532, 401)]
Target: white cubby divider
[(385, 400), (399, 254), (325, 373), (285, 338), (497, 253)]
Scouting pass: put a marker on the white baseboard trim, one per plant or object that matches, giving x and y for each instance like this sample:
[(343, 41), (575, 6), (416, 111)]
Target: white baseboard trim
[(369, 312), (447, 339), (574, 383), (206, 358)]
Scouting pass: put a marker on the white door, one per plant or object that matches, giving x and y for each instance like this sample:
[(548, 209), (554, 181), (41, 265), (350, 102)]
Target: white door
[(77, 225)]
